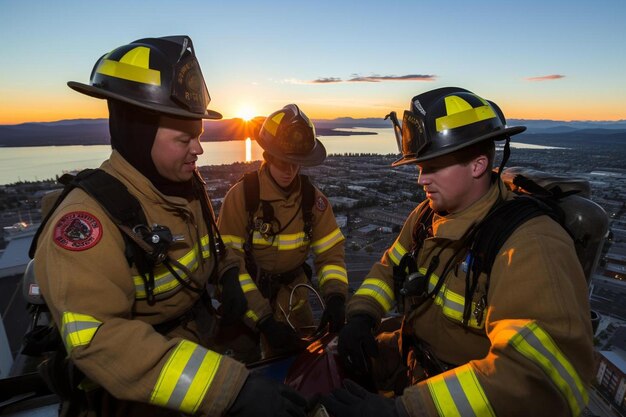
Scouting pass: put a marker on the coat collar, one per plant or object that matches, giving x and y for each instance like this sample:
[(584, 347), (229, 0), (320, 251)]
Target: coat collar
[(136, 183)]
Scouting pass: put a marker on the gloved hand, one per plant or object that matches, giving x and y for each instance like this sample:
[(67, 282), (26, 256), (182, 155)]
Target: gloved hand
[(280, 336), (355, 401), (234, 303), (334, 314), (356, 344), (265, 397)]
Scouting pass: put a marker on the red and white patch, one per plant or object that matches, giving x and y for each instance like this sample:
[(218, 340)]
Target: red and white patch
[(321, 203), (78, 231)]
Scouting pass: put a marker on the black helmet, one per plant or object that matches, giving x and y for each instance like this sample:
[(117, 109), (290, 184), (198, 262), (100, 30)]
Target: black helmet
[(447, 119), (288, 134), (159, 74)]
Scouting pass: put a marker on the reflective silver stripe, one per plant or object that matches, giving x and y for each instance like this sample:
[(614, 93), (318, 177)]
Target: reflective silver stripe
[(233, 241), (78, 329), (164, 281), (186, 377), (451, 303), (458, 392), (378, 290), (333, 272), (396, 252), (327, 242), (460, 400), (247, 284), (281, 242), (537, 345)]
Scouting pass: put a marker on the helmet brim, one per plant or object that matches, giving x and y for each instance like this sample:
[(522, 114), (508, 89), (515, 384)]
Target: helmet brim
[(498, 135), (313, 158), (171, 111)]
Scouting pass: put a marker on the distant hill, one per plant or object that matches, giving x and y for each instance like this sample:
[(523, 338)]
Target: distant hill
[(96, 131), (553, 126)]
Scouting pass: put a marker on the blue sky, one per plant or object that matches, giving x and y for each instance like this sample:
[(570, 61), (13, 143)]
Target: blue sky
[(559, 60)]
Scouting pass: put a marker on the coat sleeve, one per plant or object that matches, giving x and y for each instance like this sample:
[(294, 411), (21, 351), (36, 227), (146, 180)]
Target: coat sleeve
[(91, 295), (538, 323), (232, 223), (328, 247), (375, 297)]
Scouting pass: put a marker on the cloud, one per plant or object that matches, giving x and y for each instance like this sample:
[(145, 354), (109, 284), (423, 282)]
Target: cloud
[(379, 78), (327, 80), (374, 78), (546, 77)]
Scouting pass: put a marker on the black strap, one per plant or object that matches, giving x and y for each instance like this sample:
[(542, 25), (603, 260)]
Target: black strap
[(121, 206), (491, 234), (308, 198)]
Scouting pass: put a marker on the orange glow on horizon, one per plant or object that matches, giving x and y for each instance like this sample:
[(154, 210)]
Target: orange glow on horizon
[(48, 109)]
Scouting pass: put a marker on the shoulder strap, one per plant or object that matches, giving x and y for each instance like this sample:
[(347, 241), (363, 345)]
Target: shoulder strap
[(251, 191), (500, 224), (489, 236), (308, 198), (121, 206)]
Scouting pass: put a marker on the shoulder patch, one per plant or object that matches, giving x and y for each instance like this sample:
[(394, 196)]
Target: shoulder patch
[(77, 231), (321, 203)]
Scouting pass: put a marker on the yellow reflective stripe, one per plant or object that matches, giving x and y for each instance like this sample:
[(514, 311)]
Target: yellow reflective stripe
[(164, 281), (452, 304), (234, 242), (252, 316), (246, 282), (328, 272), (458, 393), (535, 344), (327, 242), (464, 118), (186, 377), (258, 239), (281, 242), (78, 329), (378, 290), (206, 250), (396, 252), (291, 241), (134, 66)]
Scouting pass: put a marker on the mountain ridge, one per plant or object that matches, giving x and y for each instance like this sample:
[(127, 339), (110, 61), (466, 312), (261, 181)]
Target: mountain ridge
[(96, 131)]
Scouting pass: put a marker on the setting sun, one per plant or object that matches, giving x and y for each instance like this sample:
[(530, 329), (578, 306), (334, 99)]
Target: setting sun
[(246, 112)]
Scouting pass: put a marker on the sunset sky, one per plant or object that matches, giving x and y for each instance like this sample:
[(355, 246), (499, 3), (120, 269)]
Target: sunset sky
[(561, 60)]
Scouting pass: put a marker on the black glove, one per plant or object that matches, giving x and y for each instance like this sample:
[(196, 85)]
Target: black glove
[(280, 336), (234, 303), (334, 314), (355, 401), (356, 344), (265, 397)]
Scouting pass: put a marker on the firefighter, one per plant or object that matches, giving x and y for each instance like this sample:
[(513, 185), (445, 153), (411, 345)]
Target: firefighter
[(287, 219), (140, 337), (514, 342)]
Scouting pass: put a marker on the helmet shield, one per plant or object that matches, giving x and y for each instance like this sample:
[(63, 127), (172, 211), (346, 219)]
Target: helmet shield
[(188, 87)]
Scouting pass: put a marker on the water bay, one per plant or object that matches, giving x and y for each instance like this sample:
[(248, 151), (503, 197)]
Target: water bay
[(36, 163)]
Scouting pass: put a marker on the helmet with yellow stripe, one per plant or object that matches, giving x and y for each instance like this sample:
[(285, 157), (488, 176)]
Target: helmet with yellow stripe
[(158, 74), (289, 135), (448, 119)]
